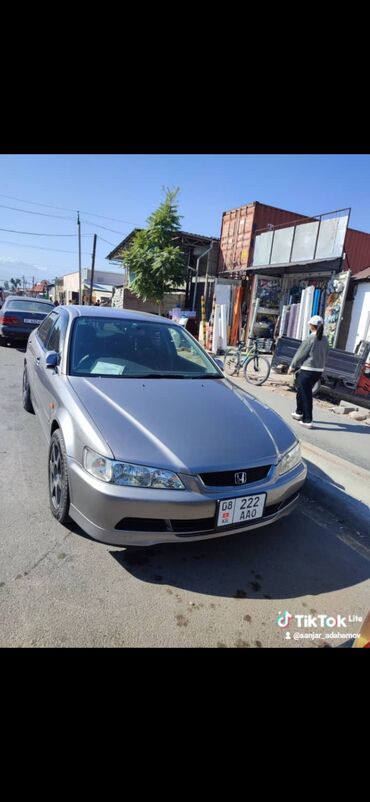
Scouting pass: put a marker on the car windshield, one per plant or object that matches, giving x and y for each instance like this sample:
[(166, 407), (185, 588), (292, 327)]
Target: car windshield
[(29, 306), (116, 347)]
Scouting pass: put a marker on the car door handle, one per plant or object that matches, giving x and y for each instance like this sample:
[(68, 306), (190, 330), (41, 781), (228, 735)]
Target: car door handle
[(37, 360)]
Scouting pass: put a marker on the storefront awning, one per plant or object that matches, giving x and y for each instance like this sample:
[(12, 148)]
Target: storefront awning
[(313, 266)]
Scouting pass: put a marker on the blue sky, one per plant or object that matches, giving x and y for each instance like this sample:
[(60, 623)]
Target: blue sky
[(129, 188)]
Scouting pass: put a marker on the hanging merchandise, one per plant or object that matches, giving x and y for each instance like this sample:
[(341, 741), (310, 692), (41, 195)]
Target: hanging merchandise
[(291, 321), (337, 290), (216, 330), (269, 292), (308, 310), (322, 303), (315, 304), (202, 328), (294, 319), (211, 323), (298, 332), (286, 326), (235, 330), (223, 328), (283, 321)]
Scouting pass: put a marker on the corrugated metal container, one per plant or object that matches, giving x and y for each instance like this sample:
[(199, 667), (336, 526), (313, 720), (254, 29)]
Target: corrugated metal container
[(357, 249), (238, 229), (236, 234)]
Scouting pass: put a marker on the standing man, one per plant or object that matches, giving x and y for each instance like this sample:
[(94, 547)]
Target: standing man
[(310, 360)]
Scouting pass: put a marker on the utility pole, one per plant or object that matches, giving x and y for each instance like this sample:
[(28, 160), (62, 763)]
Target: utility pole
[(79, 258), (92, 269), (33, 284)]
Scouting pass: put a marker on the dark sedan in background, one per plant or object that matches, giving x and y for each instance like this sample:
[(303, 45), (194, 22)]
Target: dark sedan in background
[(19, 316)]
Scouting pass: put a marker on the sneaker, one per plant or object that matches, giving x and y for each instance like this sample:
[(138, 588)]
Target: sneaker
[(296, 416), (307, 425)]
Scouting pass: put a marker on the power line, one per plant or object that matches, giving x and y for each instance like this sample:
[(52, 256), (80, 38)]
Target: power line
[(116, 219), (33, 203), (42, 214), (113, 230), (66, 209), (39, 247), (104, 240), (61, 217), (39, 233)]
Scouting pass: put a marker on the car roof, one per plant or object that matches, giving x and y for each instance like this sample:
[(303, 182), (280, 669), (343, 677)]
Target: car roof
[(28, 298), (109, 311)]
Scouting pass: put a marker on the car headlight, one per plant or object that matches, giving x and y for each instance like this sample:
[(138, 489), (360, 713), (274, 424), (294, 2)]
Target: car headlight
[(128, 474), (290, 460)]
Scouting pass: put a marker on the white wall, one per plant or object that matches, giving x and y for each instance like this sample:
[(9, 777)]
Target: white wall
[(360, 318)]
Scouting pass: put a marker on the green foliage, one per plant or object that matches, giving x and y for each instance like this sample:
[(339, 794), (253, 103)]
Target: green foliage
[(15, 282), (154, 262)]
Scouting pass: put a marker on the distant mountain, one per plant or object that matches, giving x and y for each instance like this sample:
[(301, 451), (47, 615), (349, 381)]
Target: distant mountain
[(13, 268)]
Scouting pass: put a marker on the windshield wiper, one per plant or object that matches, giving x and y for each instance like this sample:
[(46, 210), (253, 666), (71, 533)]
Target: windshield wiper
[(207, 376), (161, 376)]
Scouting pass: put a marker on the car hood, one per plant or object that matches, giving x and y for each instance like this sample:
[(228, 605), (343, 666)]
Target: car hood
[(187, 425)]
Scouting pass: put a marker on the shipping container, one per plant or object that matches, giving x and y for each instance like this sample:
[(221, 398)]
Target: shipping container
[(238, 230), (239, 227)]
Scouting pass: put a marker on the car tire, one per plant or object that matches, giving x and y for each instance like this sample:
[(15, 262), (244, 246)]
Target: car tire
[(3, 342), (58, 478), (27, 403)]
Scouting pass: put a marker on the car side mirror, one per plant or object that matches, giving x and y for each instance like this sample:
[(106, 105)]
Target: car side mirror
[(52, 359), (219, 364)]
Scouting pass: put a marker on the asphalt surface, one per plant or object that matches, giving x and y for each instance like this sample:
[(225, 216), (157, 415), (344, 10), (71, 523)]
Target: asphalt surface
[(60, 588)]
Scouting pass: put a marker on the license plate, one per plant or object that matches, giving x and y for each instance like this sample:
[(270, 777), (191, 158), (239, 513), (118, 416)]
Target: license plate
[(31, 320), (238, 510)]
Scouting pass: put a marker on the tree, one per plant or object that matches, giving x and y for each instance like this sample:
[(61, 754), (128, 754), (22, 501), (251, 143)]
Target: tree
[(15, 282), (154, 262)]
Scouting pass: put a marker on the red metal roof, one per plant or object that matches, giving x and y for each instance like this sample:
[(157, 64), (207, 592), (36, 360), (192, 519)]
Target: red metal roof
[(362, 274), (357, 248)]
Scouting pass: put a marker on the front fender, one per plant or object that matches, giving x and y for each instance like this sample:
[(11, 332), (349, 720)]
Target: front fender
[(78, 430)]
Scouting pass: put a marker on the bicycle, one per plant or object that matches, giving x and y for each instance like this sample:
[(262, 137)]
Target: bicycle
[(256, 368)]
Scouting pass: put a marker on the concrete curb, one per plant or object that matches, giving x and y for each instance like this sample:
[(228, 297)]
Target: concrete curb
[(340, 486)]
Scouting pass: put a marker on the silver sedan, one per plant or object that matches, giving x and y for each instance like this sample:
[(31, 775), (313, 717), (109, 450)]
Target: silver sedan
[(148, 442)]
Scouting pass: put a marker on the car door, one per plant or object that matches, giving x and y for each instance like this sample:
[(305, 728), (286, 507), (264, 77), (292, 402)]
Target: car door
[(35, 352), (49, 378)]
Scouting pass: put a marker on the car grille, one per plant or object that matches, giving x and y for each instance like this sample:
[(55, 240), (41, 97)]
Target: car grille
[(161, 525), (227, 478)]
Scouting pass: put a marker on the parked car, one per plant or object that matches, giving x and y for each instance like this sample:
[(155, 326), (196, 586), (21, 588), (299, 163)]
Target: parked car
[(19, 316), (148, 441)]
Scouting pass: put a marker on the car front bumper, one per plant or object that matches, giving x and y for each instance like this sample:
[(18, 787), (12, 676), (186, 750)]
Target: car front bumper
[(126, 516)]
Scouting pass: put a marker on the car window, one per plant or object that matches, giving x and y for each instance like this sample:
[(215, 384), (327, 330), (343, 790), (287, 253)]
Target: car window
[(29, 306), (129, 349), (45, 327), (57, 334)]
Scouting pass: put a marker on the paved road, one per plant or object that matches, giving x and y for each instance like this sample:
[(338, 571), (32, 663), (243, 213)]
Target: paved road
[(59, 588), (338, 434)]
